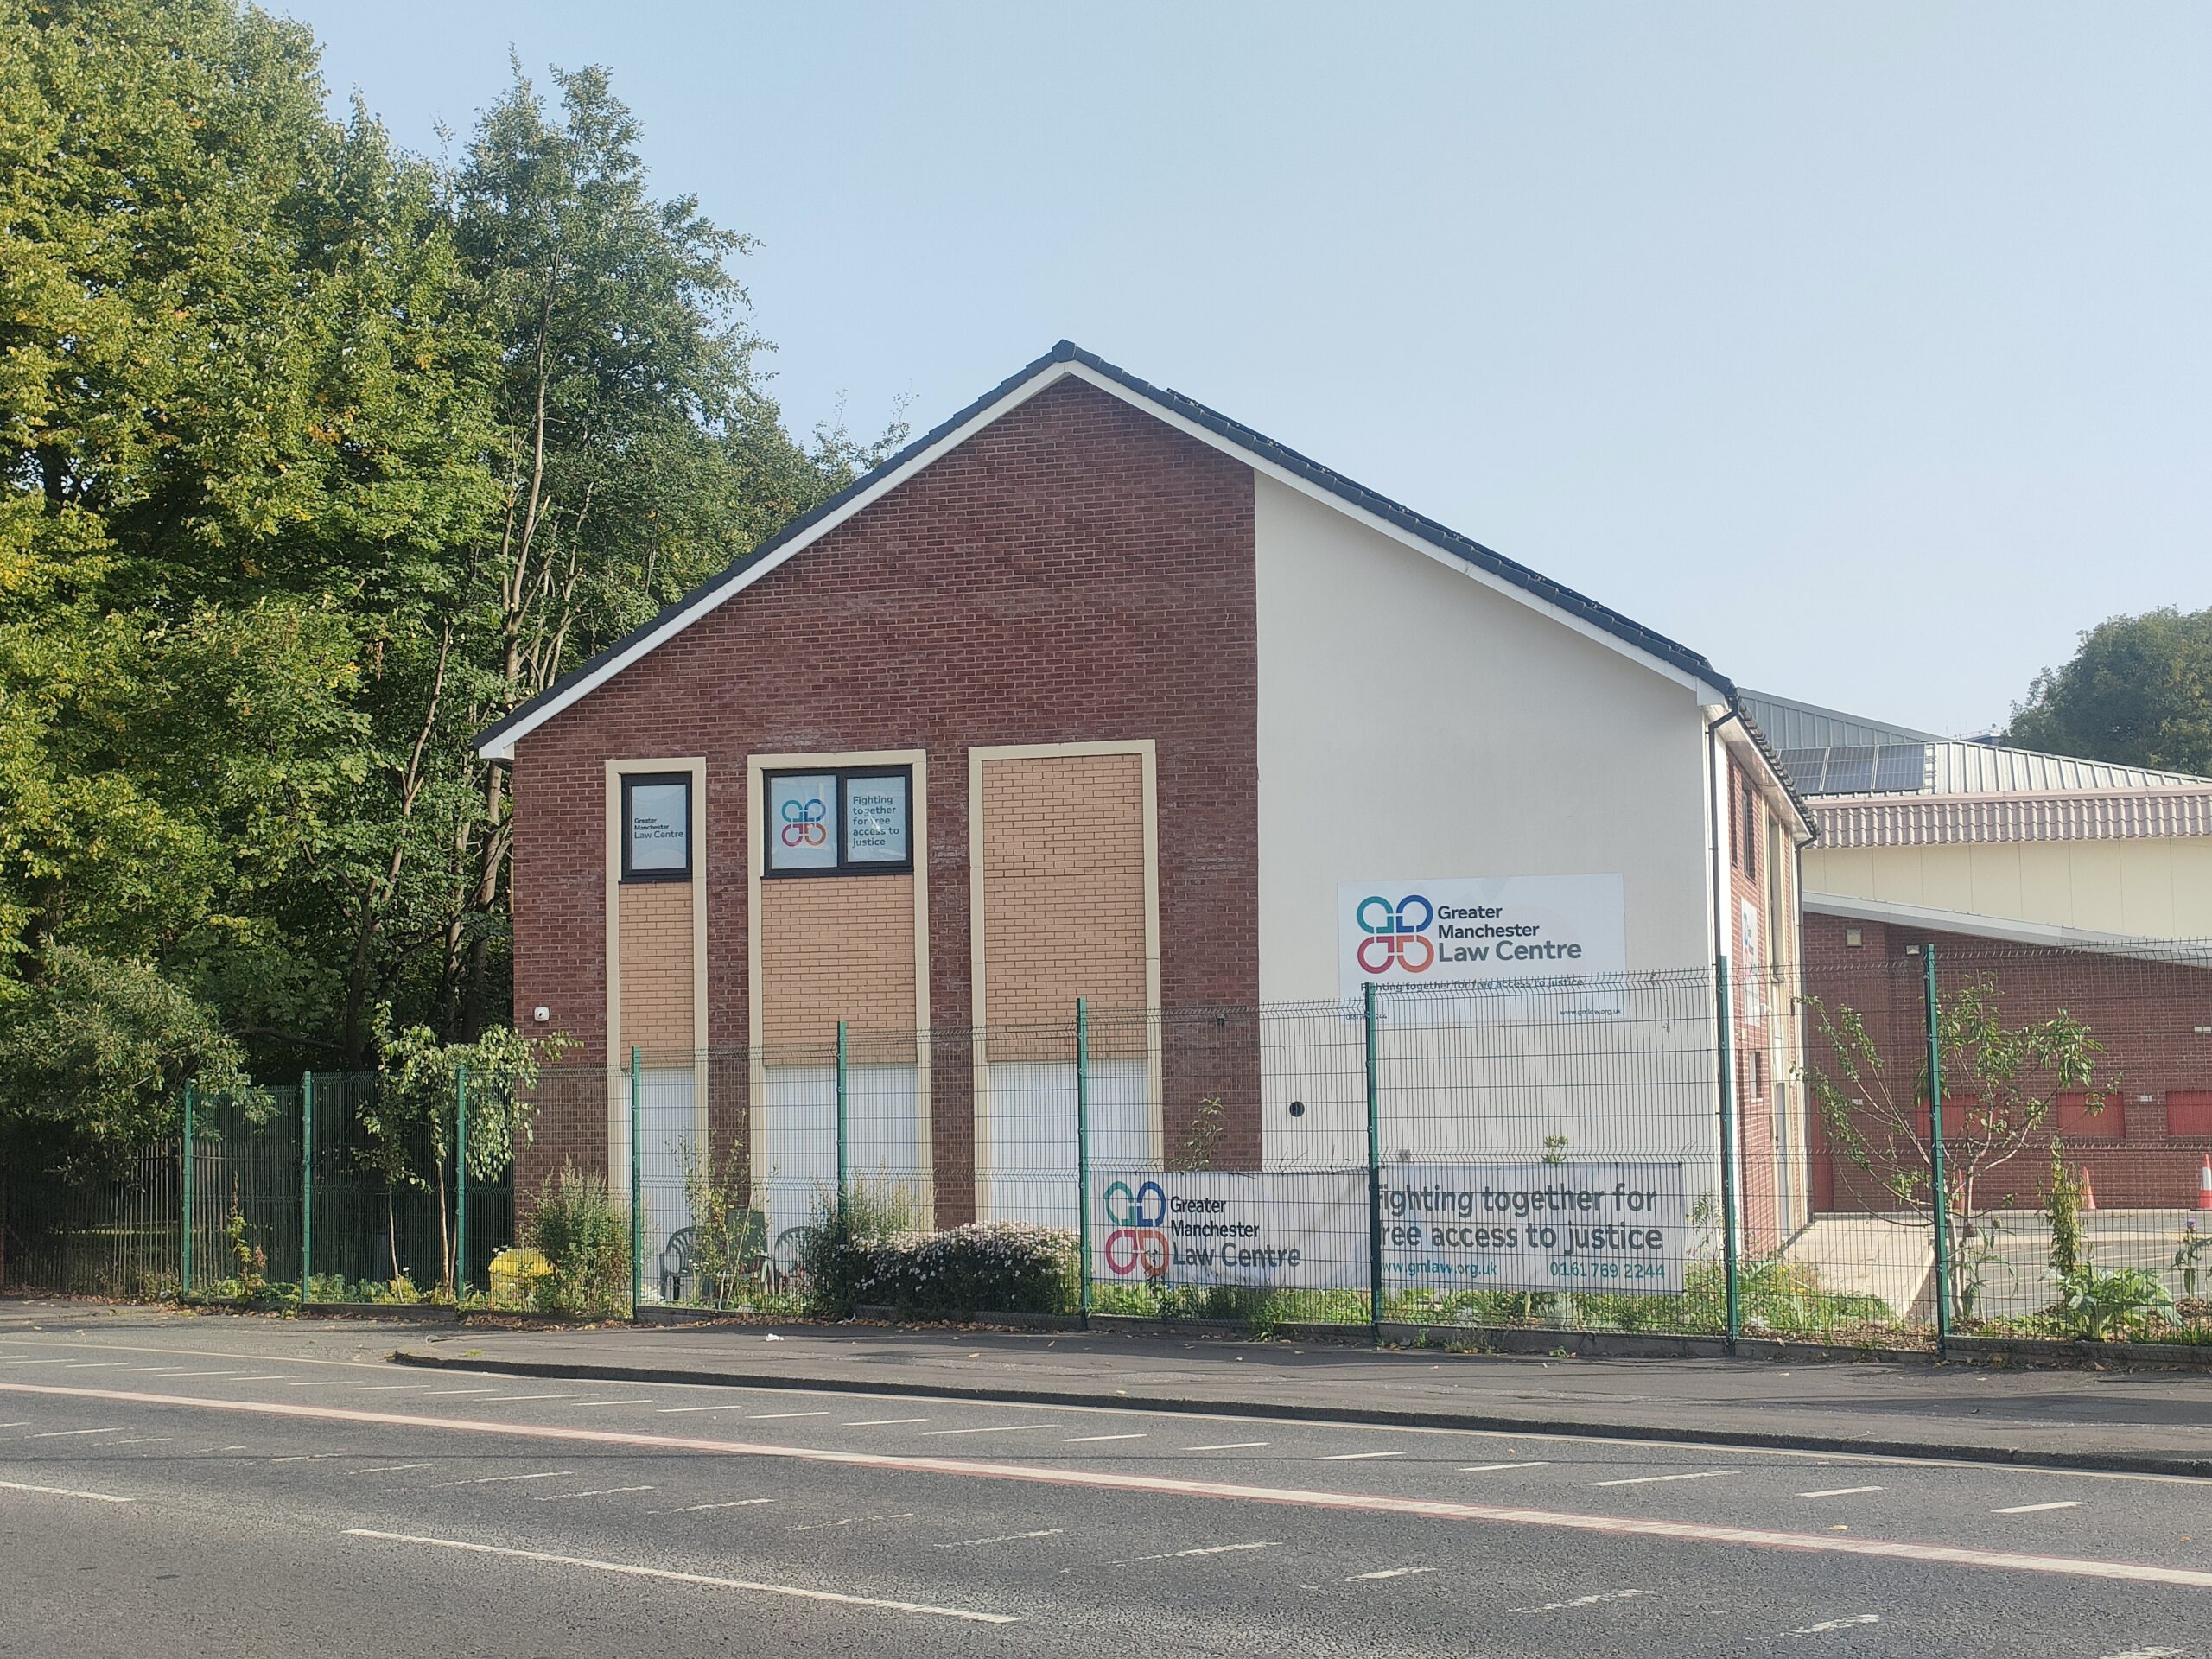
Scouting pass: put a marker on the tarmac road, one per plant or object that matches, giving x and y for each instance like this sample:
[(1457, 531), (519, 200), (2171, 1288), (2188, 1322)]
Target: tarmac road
[(225, 1487)]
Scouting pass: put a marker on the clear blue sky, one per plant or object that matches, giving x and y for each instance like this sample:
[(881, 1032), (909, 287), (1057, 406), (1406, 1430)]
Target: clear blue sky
[(1865, 349)]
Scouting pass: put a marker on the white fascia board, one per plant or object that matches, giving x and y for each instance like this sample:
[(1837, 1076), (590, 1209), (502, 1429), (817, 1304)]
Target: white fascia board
[(503, 746), (2193, 952), (1704, 691), (1754, 759)]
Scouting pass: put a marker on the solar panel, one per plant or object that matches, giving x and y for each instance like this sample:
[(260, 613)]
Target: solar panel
[(1901, 766), (1804, 767), (1851, 771)]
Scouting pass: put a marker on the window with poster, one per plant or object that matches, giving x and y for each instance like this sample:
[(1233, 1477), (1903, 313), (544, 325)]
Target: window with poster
[(838, 821), (656, 826)]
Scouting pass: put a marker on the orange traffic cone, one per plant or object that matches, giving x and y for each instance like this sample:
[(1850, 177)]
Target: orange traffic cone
[(2204, 1187), (2089, 1192)]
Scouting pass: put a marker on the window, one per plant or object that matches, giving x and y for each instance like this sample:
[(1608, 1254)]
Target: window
[(656, 827), (1751, 837), (856, 821)]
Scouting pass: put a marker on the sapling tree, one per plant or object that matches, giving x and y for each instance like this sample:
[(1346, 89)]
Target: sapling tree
[(2002, 1084)]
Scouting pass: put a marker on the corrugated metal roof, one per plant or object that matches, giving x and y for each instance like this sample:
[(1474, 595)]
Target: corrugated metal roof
[(1832, 754), (1954, 820)]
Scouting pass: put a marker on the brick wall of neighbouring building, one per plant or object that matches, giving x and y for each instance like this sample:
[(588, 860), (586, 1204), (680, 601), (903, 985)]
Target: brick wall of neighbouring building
[(1078, 571), (2146, 1148)]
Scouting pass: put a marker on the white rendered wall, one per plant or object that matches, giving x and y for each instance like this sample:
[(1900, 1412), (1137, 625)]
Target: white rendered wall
[(1415, 724)]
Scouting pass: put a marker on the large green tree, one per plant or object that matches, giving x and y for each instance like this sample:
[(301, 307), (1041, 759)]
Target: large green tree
[(313, 458), (2139, 691)]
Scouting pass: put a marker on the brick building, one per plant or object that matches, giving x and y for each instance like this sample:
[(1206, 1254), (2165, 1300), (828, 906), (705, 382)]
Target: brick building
[(1092, 692)]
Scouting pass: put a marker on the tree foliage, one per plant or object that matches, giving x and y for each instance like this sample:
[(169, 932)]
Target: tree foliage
[(315, 457), (2139, 691)]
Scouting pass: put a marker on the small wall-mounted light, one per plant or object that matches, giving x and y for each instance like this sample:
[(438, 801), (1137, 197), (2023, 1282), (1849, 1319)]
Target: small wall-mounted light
[(1852, 938), (1298, 1108), (541, 1014)]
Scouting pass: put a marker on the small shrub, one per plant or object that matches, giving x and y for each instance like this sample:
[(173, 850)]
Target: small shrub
[(985, 1267), (2064, 1208), (2096, 1306), (729, 1237), (585, 1235)]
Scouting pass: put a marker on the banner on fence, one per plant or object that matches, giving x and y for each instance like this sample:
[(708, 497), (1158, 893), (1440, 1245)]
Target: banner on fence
[(1535, 1226), (1273, 1229)]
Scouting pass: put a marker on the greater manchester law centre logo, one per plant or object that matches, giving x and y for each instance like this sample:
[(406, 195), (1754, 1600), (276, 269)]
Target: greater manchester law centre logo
[(1397, 935), (1136, 1244), (803, 824)]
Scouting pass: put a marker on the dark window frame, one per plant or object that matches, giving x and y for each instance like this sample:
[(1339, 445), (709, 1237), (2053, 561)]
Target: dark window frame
[(844, 864), (630, 780)]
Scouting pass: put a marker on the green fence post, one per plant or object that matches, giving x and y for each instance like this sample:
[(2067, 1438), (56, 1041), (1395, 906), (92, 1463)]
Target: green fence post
[(844, 1148), (184, 1251), (1082, 1154), (461, 1182), (1941, 1195), (1374, 1176), (637, 1187), (307, 1181), (1725, 1016)]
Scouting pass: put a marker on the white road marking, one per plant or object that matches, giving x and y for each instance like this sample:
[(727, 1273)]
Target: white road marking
[(64, 1433), (1491, 1468), (1839, 1491), (247, 1379), (273, 1376), (390, 1468), (26, 1423), (624, 1567), (1827, 1625), (437, 1394), (1389, 1573), (318, 1383), (2033, 1509), (1359, 1457), (599, 1491), (2151, 1653), (1209, 1549), (382, 1387), (1088, 1440), (102, 1366), (1582, 1601), (737, 1405), (306, 1457), (1653, 1480), (493, 1480), (1228, 1446), (988, 1429), (502, 1399), (824, 1412), (733, 1504), (1099, 1479), (64, 1491), (866, 1422), (585, 1404), (851, 1521), (151, 1439), (1005, 1538)]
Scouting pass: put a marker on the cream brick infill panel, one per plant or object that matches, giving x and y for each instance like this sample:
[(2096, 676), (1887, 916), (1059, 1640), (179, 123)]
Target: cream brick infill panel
[(1064, 894), (657, 968), (836, 948)]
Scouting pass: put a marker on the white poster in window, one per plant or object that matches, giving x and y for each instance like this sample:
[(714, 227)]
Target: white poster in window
[(875, 819), (802, 822), (1452, 937), (660, 827), (1751, 996)]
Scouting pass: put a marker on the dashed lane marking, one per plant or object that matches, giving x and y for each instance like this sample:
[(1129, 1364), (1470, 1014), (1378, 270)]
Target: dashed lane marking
[(65, 1492), (677, 1411), (797, 1592), (1582, 1601), (1653, 1480), (1839, 1491), (1092, 1439), (1203, 1549), (2036, 1509), (596, 1491), (865, 1423), (1359, 1457), (1827, 1625), (66, 1434), (390, 1468), (1389, 1573), (1492, 1468), (2151, 1653), (1095, 1478), (1228, 1445), (732, 1503), (988, 1429), (1005, 1538), (584, 1405), (494, 1480), (764, 1415)]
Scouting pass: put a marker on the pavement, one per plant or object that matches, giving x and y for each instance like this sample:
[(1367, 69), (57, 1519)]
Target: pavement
[(242, 1486), (2151, 1421)]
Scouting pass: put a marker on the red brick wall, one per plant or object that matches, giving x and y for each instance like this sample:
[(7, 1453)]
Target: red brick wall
[(2145, 1013), (1078, 571)]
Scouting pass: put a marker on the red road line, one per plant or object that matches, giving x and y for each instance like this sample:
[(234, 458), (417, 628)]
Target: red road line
[(1097, 1479)]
